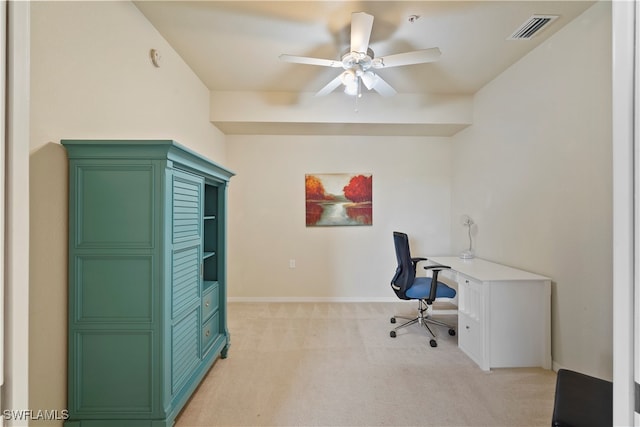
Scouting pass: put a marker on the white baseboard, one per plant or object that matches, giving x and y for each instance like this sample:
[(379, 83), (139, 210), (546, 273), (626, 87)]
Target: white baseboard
[(442, 311), (327, 299), (312, 299)]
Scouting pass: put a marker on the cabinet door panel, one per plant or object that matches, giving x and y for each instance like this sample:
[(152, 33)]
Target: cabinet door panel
[(187, 240), (114, 289), (186, 262), (115, 206), (187, 206), (185, 346), (112, 371), (186, 278)]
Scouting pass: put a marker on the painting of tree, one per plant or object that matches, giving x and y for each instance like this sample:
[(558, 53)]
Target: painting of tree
[(359, 189), (314, 190), (338, 199)]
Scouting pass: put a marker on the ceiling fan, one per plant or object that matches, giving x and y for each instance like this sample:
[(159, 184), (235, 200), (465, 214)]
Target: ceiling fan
[(359, 61)]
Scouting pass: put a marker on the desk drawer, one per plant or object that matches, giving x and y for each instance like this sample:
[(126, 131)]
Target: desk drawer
[(470, 337), (470, 297)]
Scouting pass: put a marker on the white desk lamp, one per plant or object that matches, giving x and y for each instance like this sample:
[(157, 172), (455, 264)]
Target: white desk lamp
[(468, 254)]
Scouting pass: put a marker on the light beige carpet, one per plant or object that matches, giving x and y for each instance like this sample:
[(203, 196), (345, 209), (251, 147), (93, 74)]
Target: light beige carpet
[(334, 364)]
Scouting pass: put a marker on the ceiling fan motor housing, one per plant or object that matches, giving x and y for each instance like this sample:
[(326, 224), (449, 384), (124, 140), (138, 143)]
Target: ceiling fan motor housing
[(357, 60), (356, 65)]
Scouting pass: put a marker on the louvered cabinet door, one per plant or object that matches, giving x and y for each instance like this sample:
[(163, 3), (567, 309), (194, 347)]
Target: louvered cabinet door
[(186, 210)]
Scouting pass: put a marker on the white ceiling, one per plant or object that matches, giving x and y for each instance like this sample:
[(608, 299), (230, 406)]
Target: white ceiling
[(233, 46)]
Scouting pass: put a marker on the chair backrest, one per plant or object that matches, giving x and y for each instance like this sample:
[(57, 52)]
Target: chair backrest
[(406, 269)]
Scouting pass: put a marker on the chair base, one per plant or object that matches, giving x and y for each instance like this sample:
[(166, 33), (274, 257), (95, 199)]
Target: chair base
[(423, 319)]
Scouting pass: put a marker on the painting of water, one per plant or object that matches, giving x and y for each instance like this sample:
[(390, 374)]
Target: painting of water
[(338, 199)]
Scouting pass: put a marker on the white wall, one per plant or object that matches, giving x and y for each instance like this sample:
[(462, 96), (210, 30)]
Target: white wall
[(534, 171), (411, 193), (16, 203), (91, 77), (626, 235)]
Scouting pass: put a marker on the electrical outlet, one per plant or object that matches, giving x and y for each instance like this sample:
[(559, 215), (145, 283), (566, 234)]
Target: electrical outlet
[(292, 263)]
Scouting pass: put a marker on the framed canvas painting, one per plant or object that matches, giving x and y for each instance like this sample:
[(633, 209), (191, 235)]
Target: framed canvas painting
[(338, 199)]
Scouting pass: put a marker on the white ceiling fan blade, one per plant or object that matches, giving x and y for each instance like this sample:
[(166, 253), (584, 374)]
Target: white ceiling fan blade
[(330, 87), (310, 61), (383, 88), (361, 25), (408, 58)]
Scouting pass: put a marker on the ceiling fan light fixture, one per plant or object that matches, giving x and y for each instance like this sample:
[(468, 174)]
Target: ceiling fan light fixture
[(348, 77), (351, 89), (369, 78)]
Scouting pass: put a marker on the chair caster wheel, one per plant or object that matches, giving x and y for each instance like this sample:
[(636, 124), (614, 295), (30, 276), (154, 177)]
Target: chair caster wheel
[(452, 332), (393, 320), (433, 343), (392, 334)]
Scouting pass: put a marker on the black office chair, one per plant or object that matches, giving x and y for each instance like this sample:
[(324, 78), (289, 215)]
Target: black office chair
[(424, 289)]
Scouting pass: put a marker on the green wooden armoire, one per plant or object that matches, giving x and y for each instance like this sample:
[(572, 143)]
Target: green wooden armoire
[(147, 279)]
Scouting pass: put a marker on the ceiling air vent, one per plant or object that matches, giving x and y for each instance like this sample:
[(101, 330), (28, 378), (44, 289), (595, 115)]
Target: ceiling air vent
[(531, 27)]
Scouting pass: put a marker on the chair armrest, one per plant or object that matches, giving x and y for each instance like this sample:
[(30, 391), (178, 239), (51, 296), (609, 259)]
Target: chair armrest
[(434, 280), (436, 267), (415, 261)]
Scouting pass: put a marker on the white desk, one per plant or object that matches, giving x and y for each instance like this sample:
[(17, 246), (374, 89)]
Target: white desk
[(504, 314)]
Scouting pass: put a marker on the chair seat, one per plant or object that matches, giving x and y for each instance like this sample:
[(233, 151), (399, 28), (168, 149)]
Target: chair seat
[(422, 286)]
